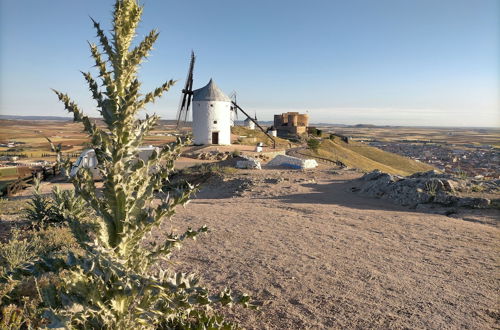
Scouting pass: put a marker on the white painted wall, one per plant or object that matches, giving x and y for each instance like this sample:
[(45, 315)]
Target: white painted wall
[(249, 124), (211, 116)]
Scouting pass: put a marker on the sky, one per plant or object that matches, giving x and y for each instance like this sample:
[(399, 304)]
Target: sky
[(384, 62)]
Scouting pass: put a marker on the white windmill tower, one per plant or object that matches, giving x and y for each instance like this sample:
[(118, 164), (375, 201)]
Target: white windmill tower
[(211, 115), (211, 111)]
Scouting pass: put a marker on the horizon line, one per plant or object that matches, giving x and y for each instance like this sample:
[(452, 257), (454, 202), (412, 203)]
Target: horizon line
[(63, 118)]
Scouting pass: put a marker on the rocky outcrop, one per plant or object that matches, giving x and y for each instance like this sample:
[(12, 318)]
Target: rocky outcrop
[(420, 188)]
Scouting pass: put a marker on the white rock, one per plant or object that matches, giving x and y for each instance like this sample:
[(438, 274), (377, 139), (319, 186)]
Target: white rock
[(294, 162), (249, 162)]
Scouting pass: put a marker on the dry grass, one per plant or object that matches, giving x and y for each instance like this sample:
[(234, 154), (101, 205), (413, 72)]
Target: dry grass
[(254, 136), (366, 158)]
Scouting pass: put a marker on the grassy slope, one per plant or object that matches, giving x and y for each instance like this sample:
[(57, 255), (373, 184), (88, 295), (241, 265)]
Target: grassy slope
[(368, 158), (256, 135)]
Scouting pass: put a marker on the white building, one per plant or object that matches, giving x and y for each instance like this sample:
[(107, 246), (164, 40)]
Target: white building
[(249, 123), (211, 116), (272, 131)]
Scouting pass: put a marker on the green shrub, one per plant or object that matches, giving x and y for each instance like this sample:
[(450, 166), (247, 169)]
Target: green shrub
[(22, 250), (313, 144), (18, 311), (39, 208), (11, 317), (115, 283), (19, 251), (478, 188), (67, 205), (431, 187), (461, 174)]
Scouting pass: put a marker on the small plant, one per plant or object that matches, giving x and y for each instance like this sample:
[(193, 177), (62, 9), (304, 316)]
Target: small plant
[(313, 144), (19, 311), (19, 251), (461, 174), (39, 209), (236, 153), (222, 169), (478, 188), (11, 317), (431, 187), (67, 206)]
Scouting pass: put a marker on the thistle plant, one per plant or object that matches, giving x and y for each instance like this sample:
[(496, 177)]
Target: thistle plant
[(39, 208), (117, 283)]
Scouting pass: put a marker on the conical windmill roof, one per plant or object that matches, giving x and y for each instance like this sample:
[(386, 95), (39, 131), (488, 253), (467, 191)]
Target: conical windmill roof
[(211, 92)]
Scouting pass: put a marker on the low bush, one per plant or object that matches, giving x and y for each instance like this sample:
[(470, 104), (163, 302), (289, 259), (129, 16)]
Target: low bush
[(19, 251), (313, 144), (39, 209)]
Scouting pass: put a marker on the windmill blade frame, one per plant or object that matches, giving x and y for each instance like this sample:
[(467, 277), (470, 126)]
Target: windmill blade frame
[(187, 94)]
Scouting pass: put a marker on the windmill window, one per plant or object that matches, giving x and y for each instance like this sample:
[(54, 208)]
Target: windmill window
[(211, 105), (215, 121)]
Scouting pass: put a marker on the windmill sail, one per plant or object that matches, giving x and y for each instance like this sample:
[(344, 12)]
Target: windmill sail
[(187, 95)]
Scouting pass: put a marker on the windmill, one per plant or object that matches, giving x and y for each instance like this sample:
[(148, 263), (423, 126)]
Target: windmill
[(213, 93), (234, 110), (187, 95)]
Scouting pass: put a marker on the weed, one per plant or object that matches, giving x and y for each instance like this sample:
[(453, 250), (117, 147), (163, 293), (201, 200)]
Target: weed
[(431, 187)]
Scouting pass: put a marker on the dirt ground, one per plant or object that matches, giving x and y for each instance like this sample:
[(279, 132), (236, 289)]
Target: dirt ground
[(318, 256)]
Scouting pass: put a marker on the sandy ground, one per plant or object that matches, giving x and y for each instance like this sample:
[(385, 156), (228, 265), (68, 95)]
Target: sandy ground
[(318, 256)]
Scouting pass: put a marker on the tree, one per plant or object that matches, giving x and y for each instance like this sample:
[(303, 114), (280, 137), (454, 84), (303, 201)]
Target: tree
[(114, 285), (313, 144)]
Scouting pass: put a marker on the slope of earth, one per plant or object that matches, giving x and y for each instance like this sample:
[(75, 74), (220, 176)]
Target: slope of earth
[(252, 136), (367, 158), (318, 256)]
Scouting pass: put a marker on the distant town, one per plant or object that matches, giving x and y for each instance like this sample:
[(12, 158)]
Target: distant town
[(472, 160)]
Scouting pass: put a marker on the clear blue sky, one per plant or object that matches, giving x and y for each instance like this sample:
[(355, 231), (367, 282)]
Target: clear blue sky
[(396, 62)]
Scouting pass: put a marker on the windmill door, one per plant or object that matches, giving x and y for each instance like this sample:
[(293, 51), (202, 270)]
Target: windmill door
[(215, 137)]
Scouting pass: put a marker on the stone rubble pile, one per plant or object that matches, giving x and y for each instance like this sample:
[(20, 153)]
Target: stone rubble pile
[(424, 188), (210, 155), (247, 162)]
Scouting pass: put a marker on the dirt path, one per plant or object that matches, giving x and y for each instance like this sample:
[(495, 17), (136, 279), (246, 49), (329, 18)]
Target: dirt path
[(319, 256)]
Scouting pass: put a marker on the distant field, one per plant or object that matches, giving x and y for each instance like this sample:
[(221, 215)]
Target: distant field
[(67, 133), (477, 136)]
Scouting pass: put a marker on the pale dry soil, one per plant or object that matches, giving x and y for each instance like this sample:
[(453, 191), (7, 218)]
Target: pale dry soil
[(320, 257)]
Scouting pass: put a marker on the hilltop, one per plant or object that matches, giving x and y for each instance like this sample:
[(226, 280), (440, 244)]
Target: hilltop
[(244, 135)]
